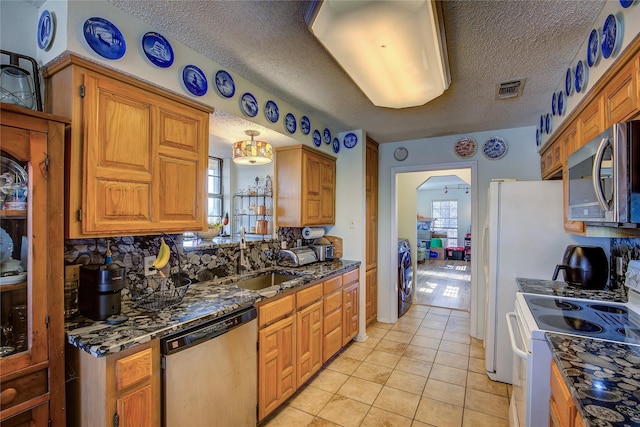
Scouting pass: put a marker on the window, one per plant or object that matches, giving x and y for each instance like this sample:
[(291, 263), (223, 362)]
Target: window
[(215, 196), (445, 214)]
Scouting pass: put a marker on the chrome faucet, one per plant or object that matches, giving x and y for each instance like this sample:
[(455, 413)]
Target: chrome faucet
[(243, 264)]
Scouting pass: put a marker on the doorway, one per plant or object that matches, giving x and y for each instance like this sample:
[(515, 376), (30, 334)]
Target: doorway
[(434, 203)]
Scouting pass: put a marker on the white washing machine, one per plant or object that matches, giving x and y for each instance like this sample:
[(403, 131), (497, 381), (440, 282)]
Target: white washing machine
[(405, 276)]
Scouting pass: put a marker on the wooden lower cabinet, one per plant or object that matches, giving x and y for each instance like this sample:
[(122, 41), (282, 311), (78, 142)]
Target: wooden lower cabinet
[(309, 341), (120, 389), (38, 416), (350, 305), (276, 365), (562, 409), (301, 331)]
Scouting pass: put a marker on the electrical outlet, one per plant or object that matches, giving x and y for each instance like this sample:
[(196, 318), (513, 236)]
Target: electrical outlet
[(148, 266)]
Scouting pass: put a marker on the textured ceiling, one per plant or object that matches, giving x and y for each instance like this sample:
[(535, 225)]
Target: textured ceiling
[(268, 43)]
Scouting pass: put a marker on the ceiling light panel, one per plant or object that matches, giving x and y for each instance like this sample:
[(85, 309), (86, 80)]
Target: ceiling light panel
[(394, 51)]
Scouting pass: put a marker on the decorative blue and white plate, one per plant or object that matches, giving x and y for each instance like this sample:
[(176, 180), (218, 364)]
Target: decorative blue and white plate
[(194, 80), (271, 111), (542, 123), (317, 139), (336, 145), (104, 38), (327, 136), (350, 140), (46, 30), (581, 76), (554, 103), (611, 36), (290, 123), (548, 124), (593, 48), (494, 148), (157, 49), (561, 106), (249, 104), (626, 3), (538, 137), (225, 84), (305, 125), (568, 82)]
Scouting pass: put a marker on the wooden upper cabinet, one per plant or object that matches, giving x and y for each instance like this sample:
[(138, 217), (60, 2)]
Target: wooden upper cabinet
[(551, 160), (305, 187), (621, 94), (591, 121), (137, 155)]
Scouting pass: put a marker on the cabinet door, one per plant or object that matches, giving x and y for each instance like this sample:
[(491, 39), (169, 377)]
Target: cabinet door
[(372, 296), (309, 341), (590, 122), (276, 365), (312, 187), (181, 168), (350, 310), (621, 94), (134, 409), (328, 192), (118, 156)]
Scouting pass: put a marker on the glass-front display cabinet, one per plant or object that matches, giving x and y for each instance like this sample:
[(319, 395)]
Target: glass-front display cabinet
[(31, 263)]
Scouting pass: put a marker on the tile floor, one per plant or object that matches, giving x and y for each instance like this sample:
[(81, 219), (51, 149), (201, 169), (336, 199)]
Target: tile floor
[(424, 370)]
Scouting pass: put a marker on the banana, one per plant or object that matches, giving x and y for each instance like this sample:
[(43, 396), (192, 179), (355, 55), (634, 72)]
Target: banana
[(163, 255)]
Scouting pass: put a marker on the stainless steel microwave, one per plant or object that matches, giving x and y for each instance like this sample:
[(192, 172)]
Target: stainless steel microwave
[(604, 178)]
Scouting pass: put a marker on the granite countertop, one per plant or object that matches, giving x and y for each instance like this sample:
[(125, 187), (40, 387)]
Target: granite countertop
[(603, 378), (203, 301), (562, 289)]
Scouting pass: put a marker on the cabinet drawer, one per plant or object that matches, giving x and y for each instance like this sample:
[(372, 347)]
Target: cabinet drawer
[(134, 368), (275, 310), (308, 295), (22, 389), (350, 276), (332, 302), (332, 321), (331, 343), (332, 284)]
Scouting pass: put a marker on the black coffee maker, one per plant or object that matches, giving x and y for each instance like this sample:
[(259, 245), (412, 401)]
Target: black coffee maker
[(99, 293)]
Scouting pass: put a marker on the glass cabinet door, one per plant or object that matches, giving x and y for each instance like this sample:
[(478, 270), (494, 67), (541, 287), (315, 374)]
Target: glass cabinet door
[(23, 248)]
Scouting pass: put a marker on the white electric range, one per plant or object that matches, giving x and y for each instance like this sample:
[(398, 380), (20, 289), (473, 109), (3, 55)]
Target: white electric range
[(535, 315)]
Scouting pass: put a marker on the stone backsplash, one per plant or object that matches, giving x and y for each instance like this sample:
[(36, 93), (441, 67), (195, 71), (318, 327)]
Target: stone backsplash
[(204, 261)]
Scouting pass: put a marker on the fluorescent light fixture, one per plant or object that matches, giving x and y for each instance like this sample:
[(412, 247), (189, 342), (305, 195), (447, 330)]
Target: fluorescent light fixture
[(395, 51), (252, 152)]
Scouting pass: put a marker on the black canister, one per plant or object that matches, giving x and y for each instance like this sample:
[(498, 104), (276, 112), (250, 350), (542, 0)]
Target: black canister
[(99, 294)]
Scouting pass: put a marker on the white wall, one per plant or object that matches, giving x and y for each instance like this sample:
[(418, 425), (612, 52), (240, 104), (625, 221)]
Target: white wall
[(521, 162)]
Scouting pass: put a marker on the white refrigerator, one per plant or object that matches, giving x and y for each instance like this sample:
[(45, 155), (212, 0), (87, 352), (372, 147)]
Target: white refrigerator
[(523, 237)]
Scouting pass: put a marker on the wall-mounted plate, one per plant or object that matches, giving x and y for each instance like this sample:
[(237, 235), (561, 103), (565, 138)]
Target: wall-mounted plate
[(350, 140), (225, 84), (336, 145), (568, 82), (46, 30), (611, 36), (494, 148), (290, 123), (104, 38), (249, 104), (157, 49), (593, 48), (305, 125), (194, 80), (317, 139), (271, 111), (581, 77), (327, 136), (465, 147)]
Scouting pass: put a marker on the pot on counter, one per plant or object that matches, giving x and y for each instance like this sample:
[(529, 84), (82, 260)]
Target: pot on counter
[(585, 266)]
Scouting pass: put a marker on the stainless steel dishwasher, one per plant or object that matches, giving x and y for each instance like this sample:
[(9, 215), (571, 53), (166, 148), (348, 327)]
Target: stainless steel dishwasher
[(210, 373)]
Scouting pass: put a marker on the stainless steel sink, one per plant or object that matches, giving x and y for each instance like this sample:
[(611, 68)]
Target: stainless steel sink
[(265, 280)]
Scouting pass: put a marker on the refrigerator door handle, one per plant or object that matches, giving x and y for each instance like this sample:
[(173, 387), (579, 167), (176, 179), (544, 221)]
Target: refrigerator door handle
[(514, 346)]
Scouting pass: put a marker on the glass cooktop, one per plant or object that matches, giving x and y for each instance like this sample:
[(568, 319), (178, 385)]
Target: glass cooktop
[(595, 319)]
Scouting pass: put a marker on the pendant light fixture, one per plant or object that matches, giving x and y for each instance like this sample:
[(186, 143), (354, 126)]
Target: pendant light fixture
[(252, 152)]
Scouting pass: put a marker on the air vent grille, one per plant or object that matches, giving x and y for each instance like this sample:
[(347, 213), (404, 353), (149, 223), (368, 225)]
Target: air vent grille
[(510, 89)]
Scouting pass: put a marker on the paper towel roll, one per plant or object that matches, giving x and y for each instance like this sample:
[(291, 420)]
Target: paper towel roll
[(312, 233)]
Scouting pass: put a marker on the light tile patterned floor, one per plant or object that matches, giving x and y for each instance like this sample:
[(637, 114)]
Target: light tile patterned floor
[(423, 371)]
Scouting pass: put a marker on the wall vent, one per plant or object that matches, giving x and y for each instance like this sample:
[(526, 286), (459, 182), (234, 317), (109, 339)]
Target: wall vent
[(510, 89)]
